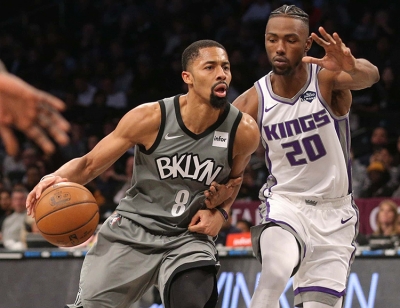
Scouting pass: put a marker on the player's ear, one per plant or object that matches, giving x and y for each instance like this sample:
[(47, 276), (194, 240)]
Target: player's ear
[(309, 42), (187, 77)]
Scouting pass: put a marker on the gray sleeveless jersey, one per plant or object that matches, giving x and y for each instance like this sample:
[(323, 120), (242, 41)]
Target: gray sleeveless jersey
[(170, 178)]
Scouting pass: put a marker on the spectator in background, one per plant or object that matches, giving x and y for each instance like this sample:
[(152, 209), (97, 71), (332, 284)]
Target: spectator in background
[(85, 91), (249, 190), (398, 225), (76, 147), (32, 176), (378, 139), (244, 225), (359, 175), (386, 218), (396, 155), (129, 165), (379, 182), (385, 156), (15, 223), (5, 207), (227, 228), (14, 167), (97, 113), (257, 163), (258, 11), (29, 227), (123, 76), (115, 99), (107, 183)]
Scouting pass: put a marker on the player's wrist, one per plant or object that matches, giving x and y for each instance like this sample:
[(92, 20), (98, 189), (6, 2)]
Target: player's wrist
[(222, 212), (47, 176)]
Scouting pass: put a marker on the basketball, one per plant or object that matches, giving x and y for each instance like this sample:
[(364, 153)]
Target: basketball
[(66, 214)]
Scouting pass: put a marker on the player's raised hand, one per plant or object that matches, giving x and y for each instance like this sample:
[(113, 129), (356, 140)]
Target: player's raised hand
[(218, 193), (337, 57), (33, 112)]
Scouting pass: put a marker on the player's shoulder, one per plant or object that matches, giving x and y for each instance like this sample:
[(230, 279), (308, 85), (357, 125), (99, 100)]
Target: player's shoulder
[(248, 102), (146, 115), (248, 134)]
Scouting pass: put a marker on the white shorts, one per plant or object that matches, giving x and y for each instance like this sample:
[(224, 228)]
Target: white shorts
[(326, 232)]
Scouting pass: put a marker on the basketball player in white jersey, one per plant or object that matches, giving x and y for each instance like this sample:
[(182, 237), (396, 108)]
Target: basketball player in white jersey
[(162, 233), (309, 220)]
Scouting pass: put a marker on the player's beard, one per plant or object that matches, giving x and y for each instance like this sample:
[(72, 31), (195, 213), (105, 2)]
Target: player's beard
[(216, 101)]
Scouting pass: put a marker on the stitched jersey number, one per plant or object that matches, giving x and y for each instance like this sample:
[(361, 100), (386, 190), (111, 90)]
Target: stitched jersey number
[(181, 199), (312, 145)]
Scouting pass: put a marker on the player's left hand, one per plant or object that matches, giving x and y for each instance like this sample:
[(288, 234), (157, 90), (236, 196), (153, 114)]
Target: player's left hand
[(207, 222), (337, 57), (219, 193)]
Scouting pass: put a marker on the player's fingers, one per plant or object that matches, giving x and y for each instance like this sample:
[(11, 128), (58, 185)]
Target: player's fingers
[(194, 221), (308, 59), (30, 203), (50, 101), (337, 38), (50, 119), (319, 40), (53, 117), (9, 140), (39, 137), (59, 134), (326, 36), (234, 182), (212, 190), (347, 51)]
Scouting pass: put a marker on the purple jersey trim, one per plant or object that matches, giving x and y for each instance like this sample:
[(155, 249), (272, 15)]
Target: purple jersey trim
[(320, 289)]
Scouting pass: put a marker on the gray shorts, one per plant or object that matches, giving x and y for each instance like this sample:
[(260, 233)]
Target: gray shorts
[(127, 260)]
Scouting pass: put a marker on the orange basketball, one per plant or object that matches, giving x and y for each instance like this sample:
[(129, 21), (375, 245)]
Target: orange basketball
[(66, 214)]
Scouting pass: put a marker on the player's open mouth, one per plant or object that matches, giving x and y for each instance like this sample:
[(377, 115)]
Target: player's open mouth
[(220, 90)]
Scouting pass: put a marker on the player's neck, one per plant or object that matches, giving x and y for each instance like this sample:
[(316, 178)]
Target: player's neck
[(289, 85), (197, 116)]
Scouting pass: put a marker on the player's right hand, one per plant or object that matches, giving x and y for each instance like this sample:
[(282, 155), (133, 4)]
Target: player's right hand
[(36, 192), (219, 193)]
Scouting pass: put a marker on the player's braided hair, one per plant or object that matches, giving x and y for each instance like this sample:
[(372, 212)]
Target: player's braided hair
[(290, 11)]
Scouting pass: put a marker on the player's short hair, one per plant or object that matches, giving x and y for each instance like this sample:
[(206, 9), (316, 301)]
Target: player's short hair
[(193, 51), (290, 11)]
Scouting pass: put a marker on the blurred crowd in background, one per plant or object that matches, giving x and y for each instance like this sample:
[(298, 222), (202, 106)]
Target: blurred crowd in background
[(104, 57)]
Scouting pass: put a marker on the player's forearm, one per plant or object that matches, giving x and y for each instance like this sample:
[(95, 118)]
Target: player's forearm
[(364, 74), (77, 170)]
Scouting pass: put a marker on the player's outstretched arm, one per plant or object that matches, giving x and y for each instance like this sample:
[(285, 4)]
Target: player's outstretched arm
[(33, 112)]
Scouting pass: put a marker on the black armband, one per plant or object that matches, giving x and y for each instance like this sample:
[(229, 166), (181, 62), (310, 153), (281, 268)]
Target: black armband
[(223, 212)]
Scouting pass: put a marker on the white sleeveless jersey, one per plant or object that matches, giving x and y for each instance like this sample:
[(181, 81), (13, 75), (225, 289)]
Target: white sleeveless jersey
[(307, 147)]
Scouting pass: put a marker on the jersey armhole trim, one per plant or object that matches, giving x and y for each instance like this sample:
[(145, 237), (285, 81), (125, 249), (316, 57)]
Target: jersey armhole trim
[(160, 131), (233, 135)]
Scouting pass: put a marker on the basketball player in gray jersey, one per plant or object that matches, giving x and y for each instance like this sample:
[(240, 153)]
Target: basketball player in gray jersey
[(309, 221), (162, 231)]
